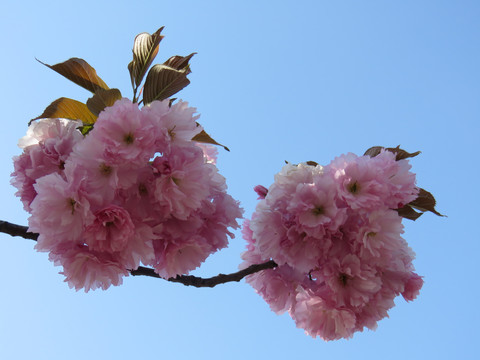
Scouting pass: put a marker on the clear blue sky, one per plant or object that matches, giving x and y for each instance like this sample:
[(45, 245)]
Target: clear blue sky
[(274, 81)]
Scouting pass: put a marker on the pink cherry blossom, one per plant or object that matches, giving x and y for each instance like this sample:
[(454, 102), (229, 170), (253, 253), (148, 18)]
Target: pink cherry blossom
[(60, 211), (127, 134), (46, 148), (135, 190), (352, 282), (261, 191), (84, 269), (277, 287), (210, 152), (336, 238), (174, 258), (317, 318), (412, 287), (360, 183), (178, 120), (111, 230), (63, 132), (182, 180)]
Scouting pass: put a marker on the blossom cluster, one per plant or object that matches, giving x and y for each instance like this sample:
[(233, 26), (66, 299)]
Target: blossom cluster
[(335, 235), (135, 190)]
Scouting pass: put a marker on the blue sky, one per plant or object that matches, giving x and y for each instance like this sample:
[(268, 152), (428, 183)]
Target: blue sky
[(274, 81)]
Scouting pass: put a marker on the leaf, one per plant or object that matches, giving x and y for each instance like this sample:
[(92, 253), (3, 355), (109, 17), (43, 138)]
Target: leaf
[(68, 109), (164, 80), (85, 129), (145, 49), (80, 72), (400, 153), (179, 62), (374, 151), (103, 99), (425, 201), (312, 163), (203, 137), (408, 213)]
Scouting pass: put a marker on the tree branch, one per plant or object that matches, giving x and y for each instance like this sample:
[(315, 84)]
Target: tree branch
[(190, 280), (187, 280), (17, 230)]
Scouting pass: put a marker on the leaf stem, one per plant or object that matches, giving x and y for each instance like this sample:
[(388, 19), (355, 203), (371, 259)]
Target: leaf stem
[(134, 100)]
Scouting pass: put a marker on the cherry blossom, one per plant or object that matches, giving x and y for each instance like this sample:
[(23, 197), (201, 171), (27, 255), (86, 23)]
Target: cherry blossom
[(335, 235), (135, 190)]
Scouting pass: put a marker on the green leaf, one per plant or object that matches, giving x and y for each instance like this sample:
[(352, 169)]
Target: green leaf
[(80, 72), (165, 80), (103, 99), (68, 109), (399, 153), (203, 137), (145, 49), (85, 129)]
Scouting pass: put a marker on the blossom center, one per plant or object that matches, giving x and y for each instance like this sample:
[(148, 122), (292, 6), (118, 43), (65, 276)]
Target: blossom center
[(171, 133), (354, 188), (176, 181), (343, 278), (129, 138), (71, 203), (105, 169), (142, 189)]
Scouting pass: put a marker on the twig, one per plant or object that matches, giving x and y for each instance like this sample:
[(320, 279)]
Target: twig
[(17, 230), (190, 280), (187, 280)]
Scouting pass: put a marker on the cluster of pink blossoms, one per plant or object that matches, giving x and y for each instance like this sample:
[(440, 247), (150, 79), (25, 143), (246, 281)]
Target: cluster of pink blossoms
[(135, 190), (336, 237)]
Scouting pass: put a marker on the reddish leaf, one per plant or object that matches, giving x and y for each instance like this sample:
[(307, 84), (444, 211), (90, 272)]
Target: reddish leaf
[(80, 72), (400, 153), (203, 137), (179, 62), (103, 99), (145, 49), (408, 213), (164, 81), (425, 202)]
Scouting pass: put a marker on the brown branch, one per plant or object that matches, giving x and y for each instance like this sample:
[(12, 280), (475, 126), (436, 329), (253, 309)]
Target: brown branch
[(190, 280), (17, 230), (187, 280)]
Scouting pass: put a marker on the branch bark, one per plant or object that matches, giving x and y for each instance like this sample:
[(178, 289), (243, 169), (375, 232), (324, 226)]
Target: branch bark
[(190, 280), (17, 230), (187, 280)]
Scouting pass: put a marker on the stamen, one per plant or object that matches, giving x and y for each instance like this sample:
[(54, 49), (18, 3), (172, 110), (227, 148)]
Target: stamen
[(343, 279), (71, 203), (354, 188), (105, 169), (129, 138)]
